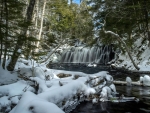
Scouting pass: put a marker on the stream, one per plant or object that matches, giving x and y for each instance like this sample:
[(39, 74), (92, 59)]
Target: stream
[(140, 92)]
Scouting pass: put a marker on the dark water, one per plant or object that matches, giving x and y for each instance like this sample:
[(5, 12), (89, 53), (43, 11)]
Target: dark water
[(108, 107), (142, 93), (143, 106), (80, 67)]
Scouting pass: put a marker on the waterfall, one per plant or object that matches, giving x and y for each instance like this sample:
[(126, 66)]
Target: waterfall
[(96, 54)]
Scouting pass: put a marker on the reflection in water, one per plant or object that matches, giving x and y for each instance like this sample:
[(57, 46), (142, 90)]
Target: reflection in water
[(128, 90), (143, 106), (108, 107), (104, 106)]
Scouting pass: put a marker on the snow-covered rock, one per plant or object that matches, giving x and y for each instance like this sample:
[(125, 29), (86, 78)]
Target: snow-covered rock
[(141, 79), (146, 80), (105, 93), (129, 81), (94, 100)]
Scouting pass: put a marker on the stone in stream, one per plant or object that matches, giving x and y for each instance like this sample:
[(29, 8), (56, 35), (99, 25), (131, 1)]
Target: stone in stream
[(129, 81), (146, 80)]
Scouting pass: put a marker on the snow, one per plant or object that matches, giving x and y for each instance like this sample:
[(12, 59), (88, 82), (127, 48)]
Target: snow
[(6, 77), (19, 50), (113, 88), (52, 90), (4, 101), (32, 103), (145, 66), (140, 55), (91, 65), (129, 81), (146, 80), (17, 88), (95, 100), (141, 79), (54, 93), (66, 91), (14, 100), (41, 84), (106, 93)]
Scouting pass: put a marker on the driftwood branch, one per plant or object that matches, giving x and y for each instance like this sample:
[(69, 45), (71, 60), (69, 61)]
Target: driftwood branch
[(25, 78), (125, 83)]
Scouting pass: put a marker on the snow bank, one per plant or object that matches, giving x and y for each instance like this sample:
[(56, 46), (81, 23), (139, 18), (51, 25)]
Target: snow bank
[(31, 103), (17, 88), (145, 65), (140, 53), (10, 94), (54, 94), (6, 77), (65, 92), (4, 102)]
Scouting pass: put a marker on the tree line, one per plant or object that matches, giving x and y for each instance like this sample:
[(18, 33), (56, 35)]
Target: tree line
[(32, 28), (121, 22)]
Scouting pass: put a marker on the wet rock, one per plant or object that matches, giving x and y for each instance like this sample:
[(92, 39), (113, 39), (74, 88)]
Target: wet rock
[(62, 75)]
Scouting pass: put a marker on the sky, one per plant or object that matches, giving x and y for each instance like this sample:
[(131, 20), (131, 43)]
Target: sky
[(76, 1)]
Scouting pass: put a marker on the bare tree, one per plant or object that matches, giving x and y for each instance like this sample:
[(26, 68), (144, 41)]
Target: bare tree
[(41, 25)]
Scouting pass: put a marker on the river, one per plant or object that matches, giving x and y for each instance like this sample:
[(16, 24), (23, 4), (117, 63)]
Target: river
[(140, 92)]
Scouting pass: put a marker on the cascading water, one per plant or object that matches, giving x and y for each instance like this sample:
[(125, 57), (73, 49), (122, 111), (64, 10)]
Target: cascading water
[(96, 54)]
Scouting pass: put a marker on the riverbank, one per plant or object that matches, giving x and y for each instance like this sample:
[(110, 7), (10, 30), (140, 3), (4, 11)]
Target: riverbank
[(122, 69)]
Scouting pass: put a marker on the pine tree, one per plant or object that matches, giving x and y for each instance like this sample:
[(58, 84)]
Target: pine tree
[(117, 20), (22, 37), (8, 26)]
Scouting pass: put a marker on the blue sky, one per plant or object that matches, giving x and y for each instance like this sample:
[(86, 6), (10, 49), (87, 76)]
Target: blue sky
[(76, 1)]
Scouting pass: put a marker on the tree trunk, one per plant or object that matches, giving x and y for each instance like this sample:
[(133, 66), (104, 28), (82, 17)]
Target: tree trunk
[(41, 27), (6, 34), (21, 38), (1, 39), (128, 51), (124, 44), (146, 19), (37, 11)]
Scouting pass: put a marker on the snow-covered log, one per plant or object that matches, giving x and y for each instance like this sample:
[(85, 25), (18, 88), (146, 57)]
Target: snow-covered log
[(125, 83)]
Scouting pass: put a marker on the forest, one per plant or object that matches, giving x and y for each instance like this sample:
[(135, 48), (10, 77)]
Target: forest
[(37, 34)]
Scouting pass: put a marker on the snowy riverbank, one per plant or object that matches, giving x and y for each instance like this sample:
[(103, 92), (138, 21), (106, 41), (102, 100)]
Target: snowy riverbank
[(35, 88), (140, 53)]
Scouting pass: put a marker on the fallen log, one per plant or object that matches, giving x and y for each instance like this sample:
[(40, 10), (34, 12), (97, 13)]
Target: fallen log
[(125, 83), (25, 78), (123, 99)]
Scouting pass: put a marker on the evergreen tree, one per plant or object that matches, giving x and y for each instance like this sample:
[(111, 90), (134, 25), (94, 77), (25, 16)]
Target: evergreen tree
[(117, 20), (10, 16), (122, 17), (22, 37), (70, 21)]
